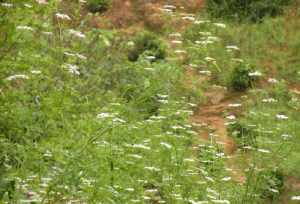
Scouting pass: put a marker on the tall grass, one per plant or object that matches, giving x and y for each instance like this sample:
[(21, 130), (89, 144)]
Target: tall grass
[(79, 122)]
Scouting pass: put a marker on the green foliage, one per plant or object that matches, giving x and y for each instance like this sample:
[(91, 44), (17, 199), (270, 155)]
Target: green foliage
[(252, 10), (7, 187), (271, 180), (243, 133), (148, 44), (240, 78), (79, 121), (95, 6)]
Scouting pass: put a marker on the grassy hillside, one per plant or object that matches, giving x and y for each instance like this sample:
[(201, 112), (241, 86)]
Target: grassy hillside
[(147, 102)]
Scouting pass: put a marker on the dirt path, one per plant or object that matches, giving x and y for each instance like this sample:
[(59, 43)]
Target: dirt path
[(212, 117)]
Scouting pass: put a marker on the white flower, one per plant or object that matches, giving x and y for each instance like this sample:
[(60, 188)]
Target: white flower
[(204, 42), (220, 25), (176, 41), (213, 38), (188, 160), (149, 69), (30, 201), (190, 18), (209, 59), (151, 168), (118, 120), (48, 153), (158, 117), (47, 33), (72, 68), (7, 5), (129, 189), (36, 72), (75, 55), (205, 33), (166, 10), (205, 72), (256, 73), (286, 136), (151, 191), (17, 76), (281, 117), (235, 105), (69, 54), (175, 35), (136, 156), (231, 117), (272, 81), (150, 58), (180, 51), (237, 60), (80, 56), (273, 190), (176, 127), (41, 1), (232, 47), (25, 28), (104, 115), (198, 202), (209, 179), (226, 179), (141, 146), (130, 43), (264, 151), (163, 101), (269, 100), (192, 104), (221, 201), (76, 33), (295, 198), (201, 22), (169, 7), (28, 5), (166, 145), (63, 16)]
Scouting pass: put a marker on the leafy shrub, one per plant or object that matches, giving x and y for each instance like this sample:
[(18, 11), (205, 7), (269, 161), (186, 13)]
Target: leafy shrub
[(7, 186), (271, 179), (95, 6), (252, 10), (147, 43), (240, 80), (243, 134), (280, 91), (210, 162)]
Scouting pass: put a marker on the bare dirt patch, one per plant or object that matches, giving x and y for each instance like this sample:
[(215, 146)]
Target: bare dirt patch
[(127, 13)]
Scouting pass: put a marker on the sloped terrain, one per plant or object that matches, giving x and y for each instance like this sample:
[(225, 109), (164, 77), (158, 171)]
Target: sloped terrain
[(147, 102)]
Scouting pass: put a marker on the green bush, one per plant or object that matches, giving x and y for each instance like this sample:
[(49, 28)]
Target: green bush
[(95, 6), (240, 80), (7, 186), (252, 10), (271, 179), (147, 43), (243, 134)]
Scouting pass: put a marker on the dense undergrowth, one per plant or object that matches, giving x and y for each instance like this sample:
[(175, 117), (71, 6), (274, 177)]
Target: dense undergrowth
[(90, 115), (246, 10)]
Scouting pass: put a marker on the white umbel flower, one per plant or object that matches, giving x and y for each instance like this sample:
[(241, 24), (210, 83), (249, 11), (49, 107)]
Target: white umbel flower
[(17, 76), (63, 16)]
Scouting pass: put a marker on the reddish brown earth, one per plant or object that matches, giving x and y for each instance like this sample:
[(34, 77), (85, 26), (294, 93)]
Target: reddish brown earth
[(212, 115), (140, 13)]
